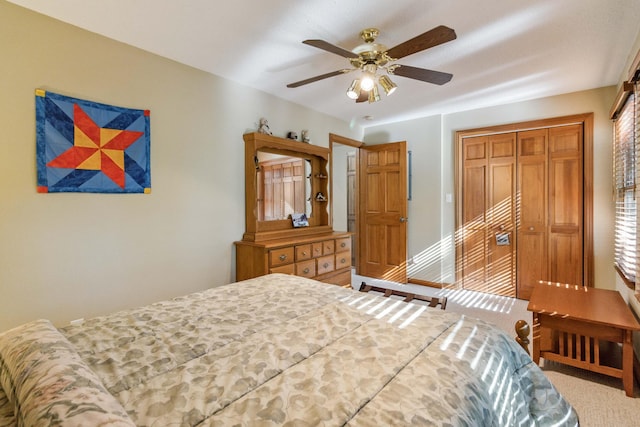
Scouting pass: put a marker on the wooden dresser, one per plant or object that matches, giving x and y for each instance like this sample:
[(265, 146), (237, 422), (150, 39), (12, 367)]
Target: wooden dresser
[(324, 257), (271, 243)]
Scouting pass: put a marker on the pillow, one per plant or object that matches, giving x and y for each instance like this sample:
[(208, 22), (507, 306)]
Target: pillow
[(47, 383)]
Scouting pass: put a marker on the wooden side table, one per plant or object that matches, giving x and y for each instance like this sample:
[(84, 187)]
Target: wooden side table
[(569, 322)]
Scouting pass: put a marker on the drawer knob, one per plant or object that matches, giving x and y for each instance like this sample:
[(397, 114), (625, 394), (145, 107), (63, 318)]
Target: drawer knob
[(283, 257), (306, 270), (343, 244), (304, 253), (342, 260), (326, 264)]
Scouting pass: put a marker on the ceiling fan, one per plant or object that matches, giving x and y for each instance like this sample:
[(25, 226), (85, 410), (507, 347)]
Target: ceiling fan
[(371, 58)]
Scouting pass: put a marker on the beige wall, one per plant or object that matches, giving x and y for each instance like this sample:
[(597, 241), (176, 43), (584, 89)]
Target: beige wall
[(431, 140), (69, 255)]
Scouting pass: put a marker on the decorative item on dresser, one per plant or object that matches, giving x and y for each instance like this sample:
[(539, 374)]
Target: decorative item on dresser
[(283, 180)]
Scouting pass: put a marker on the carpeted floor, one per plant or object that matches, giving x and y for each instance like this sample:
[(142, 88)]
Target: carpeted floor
[(599, 400)]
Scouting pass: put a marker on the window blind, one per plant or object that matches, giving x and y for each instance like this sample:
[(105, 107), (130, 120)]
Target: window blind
[(625, 178)]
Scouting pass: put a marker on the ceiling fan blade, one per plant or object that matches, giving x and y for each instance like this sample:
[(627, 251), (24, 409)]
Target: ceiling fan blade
[(316, 78), (431, 38), (429, 76), (321, 44)]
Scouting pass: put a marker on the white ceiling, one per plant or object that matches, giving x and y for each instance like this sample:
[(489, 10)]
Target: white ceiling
[(506, 50)]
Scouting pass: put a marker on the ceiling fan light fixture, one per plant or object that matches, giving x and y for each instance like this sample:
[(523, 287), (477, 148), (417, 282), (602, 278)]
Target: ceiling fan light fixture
[(387, 84), (367, 82), (354, 90), (374, 95)]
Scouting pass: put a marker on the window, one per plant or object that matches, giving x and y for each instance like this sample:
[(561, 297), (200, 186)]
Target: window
[(624, 176)]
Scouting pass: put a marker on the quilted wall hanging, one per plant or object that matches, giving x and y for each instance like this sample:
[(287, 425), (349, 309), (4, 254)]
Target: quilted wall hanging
[(88, 147)]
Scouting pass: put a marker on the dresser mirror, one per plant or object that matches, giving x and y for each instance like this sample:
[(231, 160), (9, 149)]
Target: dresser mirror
[(283, 185), (282, 177)]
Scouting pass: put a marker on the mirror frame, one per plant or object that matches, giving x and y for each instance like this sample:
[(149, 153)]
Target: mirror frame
[(319, 157)]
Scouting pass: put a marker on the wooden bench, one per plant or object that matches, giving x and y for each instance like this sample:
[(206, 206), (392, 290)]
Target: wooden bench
[(408, 296)]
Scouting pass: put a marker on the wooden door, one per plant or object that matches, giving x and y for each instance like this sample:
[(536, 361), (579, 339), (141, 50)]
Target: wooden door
[(488, 213), (553, 203), (383, 211), (566, 204), (547, 198), (532, 194), (502, 214), (474, 258)]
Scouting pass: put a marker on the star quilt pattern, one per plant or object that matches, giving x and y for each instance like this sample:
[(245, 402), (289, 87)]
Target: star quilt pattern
[(89, 147)]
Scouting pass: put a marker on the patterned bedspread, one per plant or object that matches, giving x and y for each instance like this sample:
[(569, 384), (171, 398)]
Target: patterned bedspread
[(284, 350)]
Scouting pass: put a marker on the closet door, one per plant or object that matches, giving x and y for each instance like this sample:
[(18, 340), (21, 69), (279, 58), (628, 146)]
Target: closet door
[(566, 204), (553, 203), (489, 213), (502, 214), (474, 249), (532, 196)]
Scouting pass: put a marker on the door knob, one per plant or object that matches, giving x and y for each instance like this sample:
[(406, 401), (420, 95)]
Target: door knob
[(403, 219)]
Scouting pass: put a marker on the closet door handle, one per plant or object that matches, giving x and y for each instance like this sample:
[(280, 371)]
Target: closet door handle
[(403, 219)]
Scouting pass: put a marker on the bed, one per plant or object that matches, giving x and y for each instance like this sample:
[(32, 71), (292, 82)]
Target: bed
[(274, 350)]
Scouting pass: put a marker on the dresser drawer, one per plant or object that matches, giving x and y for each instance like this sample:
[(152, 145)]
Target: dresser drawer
[(343, 259), (328, 247), (343, 244), (285, 269), (326, 264), (316, 249), (306, 268), (303, 252), (280, 256)]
